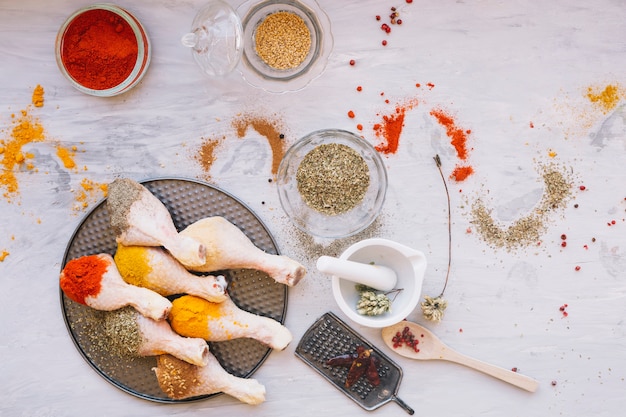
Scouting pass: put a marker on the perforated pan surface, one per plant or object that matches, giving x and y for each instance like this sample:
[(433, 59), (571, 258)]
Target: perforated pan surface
[(329, 337), (254, 291)]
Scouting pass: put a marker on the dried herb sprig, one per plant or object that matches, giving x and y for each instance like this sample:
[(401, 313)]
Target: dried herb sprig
[(433, 308), (373, 303)]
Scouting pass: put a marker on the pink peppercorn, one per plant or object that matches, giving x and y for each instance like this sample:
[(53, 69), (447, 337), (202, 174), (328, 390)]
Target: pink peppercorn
[(352, 62), (577, 268), (384, 42)]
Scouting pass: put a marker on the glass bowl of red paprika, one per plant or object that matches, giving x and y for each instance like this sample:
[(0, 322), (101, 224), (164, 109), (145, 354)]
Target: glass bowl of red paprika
[(103, 50)]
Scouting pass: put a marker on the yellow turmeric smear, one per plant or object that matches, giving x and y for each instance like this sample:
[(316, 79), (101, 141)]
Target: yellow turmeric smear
[(607, 99), (190, 316), (3, 255), (38, 93), (133, 264), (67, 156), (25, 130)]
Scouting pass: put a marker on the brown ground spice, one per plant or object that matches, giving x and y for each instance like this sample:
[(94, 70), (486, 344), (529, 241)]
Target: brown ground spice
[(206, 154), (270, 129)]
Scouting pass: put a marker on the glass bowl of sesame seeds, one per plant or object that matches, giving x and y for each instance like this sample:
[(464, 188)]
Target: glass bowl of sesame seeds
[(286, 43), (332, 183)]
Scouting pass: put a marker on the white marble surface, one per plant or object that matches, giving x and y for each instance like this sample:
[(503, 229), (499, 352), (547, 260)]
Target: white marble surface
[(497, 66)]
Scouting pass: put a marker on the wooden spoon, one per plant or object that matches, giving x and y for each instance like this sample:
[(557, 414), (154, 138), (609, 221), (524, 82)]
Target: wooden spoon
[(430, 347)]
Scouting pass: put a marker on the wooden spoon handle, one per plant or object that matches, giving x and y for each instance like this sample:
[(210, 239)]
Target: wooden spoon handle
[(513, 378)]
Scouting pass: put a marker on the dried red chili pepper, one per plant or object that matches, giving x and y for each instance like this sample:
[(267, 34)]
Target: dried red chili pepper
[(342, 360), (358, 368)]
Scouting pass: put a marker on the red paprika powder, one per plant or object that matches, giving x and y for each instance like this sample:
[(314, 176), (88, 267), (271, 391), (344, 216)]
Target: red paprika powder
[(99, 49), (82, 277)]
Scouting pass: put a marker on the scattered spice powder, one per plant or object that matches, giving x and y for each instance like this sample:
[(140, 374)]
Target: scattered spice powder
[(38, 94), (67, 156), (391, 128), (89, 192), (283, 40), (458, 139), (3, 255), (206, 154), (457, 135), (526, 230), (267, 128), (607, 99), (460, 173), (25, 130)]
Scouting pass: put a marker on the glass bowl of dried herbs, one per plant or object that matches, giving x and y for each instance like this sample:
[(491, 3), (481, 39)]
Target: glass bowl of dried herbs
[(332, 183)]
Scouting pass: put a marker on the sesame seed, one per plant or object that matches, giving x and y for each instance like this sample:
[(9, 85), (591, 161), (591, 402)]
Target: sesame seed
[(283, 40)]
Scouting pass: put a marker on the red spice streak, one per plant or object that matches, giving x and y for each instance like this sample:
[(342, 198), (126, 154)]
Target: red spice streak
[(99, 49), (461, 173), (390, 130), (457, 135)]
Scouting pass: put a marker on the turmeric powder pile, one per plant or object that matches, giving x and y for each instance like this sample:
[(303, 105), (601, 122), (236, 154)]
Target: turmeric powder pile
[(606, 99), (25, 130)]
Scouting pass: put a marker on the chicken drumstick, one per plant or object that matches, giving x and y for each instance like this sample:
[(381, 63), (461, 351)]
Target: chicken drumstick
[(131, 334), (196, 317), (95, 281), (140, 219), (154, 268), (227, 247), (180, 380)]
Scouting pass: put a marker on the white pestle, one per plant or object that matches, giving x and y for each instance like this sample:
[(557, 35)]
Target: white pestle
[(376, 276)]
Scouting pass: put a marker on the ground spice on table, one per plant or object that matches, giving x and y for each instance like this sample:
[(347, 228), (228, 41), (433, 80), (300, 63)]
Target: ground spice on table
[(526, 230), (608, 98), (267, 128), (82, 277), (26, 129), (67, 156), (457, 135), (206, 154), (458, 139), (99, 49), (391, 127), (89, 191), (38, 94)]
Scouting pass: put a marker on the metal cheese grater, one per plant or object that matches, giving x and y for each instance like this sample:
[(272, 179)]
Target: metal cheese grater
[(329, 337)]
